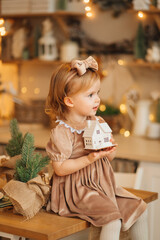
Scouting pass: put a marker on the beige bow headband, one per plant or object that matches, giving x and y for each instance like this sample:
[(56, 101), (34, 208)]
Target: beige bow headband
[(82, 65)]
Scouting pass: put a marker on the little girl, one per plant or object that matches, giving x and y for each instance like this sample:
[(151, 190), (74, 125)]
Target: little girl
[(83, 181)]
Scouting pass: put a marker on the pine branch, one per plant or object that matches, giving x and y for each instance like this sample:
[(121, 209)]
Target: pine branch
[(27, 149), (14, 129), (30, 163), (14, 146)]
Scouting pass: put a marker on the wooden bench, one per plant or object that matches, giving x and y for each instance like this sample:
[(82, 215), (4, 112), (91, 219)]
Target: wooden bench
[(49, 226)]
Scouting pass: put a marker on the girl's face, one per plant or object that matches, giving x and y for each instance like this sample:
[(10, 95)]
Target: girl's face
[(87, 102)]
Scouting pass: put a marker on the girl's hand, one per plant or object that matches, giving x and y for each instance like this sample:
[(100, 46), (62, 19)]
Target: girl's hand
[(94, 156), (113, 140)]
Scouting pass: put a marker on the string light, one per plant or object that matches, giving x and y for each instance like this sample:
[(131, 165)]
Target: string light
[(127, 133), (121, 62), (123, 108), (122, 131), (88, 8), (2, 31), (1, 21), (89, 14), (23, 90), (140, 14), (151, 117), (2, 28), (102, 107)]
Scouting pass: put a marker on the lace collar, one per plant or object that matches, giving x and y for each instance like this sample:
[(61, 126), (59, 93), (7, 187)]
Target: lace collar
[(67, 126)]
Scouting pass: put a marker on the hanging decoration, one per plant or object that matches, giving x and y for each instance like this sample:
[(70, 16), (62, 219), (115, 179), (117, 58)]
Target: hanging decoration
[(116, 5), (140, 43)]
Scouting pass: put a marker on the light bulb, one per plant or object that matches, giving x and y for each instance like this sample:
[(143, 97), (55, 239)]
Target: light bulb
[(140, 14), (88, 8), (121, 62), (102, 107), (123, 108), (89, 14), (1, 21), (127, 133), (86, 1)]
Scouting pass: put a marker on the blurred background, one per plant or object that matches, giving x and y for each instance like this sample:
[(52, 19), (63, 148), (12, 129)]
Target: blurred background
[(123, 36), (36, 36)]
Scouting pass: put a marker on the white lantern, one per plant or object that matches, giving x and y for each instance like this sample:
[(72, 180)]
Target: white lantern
[(47, 43), (47, 48)]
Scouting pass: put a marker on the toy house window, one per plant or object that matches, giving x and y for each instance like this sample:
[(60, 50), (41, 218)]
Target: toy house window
[(106, 139), (98, 131)]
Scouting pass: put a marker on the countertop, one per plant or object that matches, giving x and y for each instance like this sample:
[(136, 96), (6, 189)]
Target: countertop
[(132, 147)]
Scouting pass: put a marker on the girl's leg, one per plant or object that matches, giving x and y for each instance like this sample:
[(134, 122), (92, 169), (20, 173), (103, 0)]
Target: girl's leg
[(111, 231), (139, 230)]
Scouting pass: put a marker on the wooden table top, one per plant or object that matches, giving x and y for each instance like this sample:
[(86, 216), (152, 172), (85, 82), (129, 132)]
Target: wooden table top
[(50, 226), (145, 195), (132, 147)]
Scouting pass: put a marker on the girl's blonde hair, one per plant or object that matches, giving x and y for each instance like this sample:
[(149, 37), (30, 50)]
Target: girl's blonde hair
[(66, 82)]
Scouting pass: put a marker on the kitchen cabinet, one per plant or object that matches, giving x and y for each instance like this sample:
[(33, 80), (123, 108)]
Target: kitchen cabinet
[(146, 152), (60, 18)]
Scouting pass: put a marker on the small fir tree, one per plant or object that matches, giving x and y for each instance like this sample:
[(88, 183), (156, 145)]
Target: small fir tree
[(14, 146), (140, 43), (30, 163)]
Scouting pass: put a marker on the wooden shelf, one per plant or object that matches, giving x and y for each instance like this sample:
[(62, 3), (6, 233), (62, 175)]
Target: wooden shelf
[(36, 61), (141, 63), (152, 10), (33, 61), (50, 14)]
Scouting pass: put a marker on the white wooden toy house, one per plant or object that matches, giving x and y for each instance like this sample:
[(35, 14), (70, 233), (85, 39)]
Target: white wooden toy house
[(97, 135)]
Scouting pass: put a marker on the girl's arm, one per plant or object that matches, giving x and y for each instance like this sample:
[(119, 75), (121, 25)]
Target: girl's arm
[(70, 166)]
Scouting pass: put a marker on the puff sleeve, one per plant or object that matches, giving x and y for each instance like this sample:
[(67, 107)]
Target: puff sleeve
[(59, 147)]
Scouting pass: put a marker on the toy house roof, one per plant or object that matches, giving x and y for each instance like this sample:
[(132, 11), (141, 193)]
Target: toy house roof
[(89, 130)]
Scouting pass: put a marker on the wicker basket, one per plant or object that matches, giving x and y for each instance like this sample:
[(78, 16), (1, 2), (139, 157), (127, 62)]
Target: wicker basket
[(32, 112)]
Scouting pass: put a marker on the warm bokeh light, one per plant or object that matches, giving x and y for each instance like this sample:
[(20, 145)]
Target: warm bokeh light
[(151, 117), (2, 31), (23, 90), (36, 91), (123, 108), (102, 107), (140, 14), (104, 72), (122, 130), (121, 62), (2, 28), (127, 133), (1, 21), (88, 8), (86, 1), (89, 14)]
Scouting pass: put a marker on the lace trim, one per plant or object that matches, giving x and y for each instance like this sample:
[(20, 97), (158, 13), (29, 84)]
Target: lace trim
[(67, 126)]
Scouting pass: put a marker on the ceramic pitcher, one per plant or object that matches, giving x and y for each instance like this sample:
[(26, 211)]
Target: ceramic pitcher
[(141, 117)]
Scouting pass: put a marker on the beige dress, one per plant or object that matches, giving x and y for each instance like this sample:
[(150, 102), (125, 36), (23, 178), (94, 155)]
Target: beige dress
[(90, 193)]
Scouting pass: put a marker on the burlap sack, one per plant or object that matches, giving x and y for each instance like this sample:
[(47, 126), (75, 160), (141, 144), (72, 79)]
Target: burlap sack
[(7, 166), (27, 198), (9, 162)]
